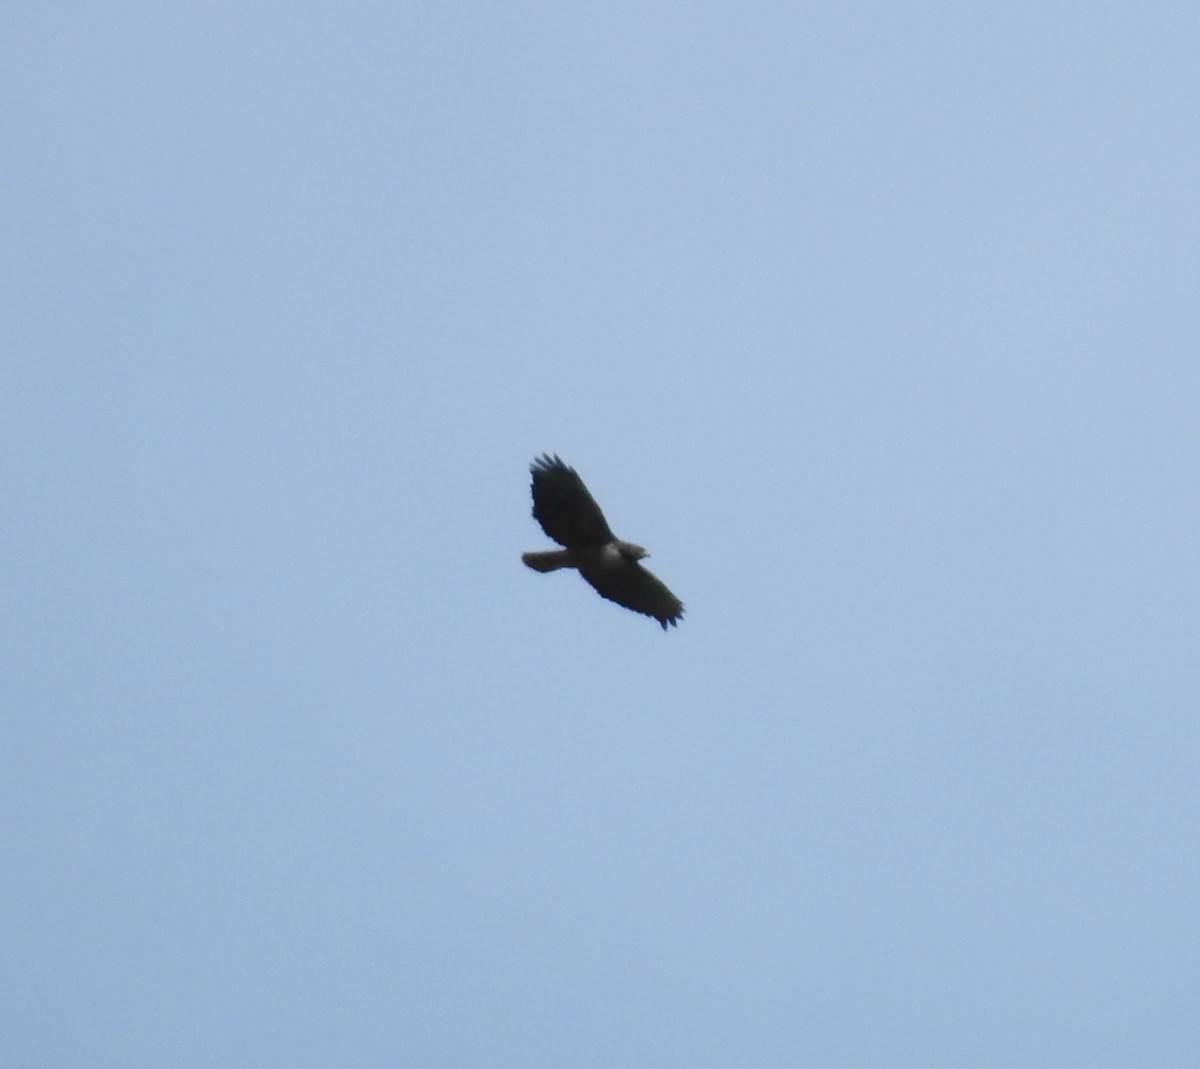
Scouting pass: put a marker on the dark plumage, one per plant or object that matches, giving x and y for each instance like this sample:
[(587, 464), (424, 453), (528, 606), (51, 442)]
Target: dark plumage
[(570, 516)]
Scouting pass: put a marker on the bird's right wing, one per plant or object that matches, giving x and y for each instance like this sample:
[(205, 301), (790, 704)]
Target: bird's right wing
[(563, 506)]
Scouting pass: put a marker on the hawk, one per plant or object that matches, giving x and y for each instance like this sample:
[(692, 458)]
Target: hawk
[(570, 516)]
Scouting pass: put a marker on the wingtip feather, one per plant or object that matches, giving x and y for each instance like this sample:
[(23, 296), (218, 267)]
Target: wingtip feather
[(549, 462)]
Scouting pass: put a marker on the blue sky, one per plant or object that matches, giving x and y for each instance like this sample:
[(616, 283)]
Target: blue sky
[(878, 325)]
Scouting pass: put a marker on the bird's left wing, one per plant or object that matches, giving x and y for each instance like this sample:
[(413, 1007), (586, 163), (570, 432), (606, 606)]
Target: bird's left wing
[(637, 589)]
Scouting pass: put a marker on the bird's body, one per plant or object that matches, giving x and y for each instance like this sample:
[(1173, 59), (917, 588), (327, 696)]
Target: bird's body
[(570, 516)]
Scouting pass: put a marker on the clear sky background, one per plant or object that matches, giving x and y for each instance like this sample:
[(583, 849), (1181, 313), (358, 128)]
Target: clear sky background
[(878, 323)]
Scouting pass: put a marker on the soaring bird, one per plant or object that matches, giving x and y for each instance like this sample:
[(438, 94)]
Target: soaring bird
[(570, 516)]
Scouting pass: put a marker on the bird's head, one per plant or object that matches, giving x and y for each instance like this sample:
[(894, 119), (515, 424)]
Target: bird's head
[(631, 551)]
